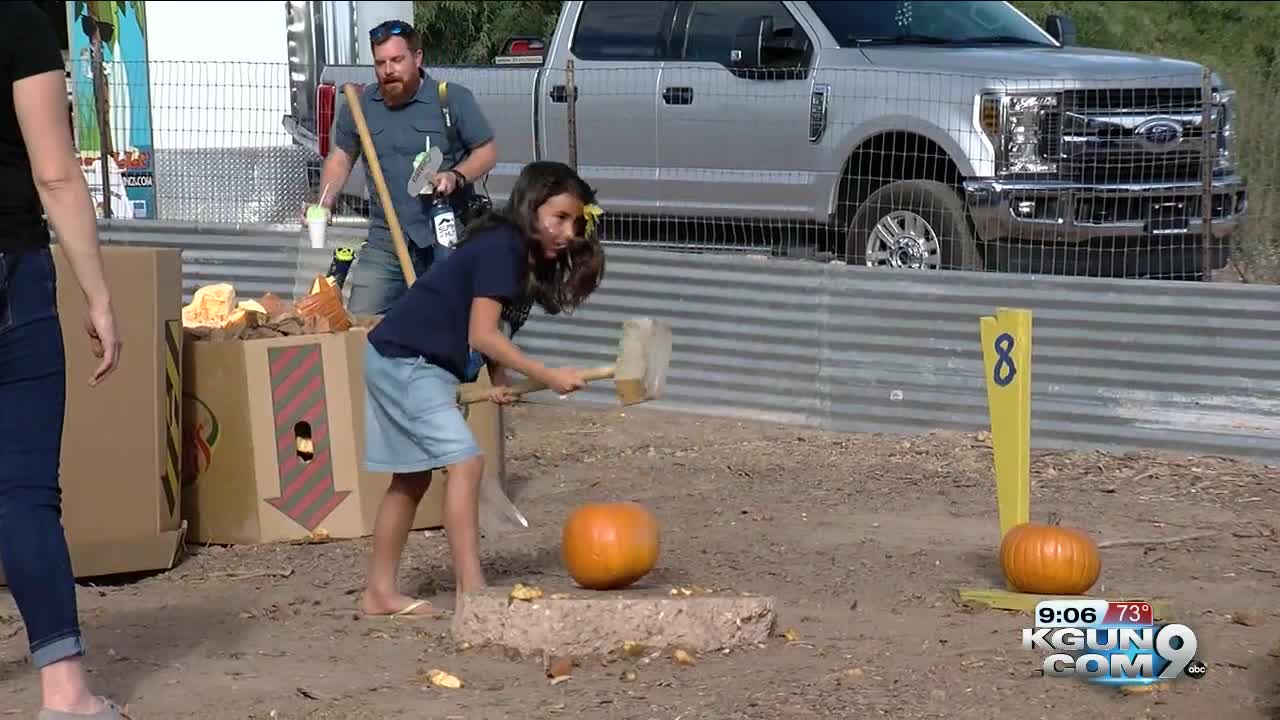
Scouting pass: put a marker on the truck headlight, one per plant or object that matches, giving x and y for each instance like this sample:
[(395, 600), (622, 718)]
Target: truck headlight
[(1224, 111), (1019, 129)]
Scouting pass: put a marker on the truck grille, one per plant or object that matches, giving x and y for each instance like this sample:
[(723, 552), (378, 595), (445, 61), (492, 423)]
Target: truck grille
[(1127, 136)]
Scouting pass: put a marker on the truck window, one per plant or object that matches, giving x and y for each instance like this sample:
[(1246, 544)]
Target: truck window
[(622, 30), (713, 28), (903, 22)]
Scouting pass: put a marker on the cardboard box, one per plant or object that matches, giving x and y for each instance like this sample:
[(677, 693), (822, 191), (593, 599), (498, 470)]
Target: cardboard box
[(276, 441), (121, 458)]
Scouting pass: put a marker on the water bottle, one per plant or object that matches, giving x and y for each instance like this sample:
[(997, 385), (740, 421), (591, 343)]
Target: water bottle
[(444, 221), (342, 258)]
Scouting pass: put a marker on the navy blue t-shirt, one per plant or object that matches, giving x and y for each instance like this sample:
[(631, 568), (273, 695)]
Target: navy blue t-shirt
[(433, 318)]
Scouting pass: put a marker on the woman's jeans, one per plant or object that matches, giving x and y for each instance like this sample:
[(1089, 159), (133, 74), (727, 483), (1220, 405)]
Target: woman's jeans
[(33, 547)]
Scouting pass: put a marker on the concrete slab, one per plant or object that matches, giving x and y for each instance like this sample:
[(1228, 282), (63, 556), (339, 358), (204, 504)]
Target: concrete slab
[(584, 623)]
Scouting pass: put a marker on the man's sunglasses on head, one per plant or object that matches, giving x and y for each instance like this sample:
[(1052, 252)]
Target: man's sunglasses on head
[(389, 28)]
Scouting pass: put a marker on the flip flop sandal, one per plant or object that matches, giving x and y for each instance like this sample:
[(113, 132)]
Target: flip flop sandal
[(110, 711), (405, 612), (408, 610)]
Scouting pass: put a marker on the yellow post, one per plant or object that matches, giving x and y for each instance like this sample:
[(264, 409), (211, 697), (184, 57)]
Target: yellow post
[(1006, 351)]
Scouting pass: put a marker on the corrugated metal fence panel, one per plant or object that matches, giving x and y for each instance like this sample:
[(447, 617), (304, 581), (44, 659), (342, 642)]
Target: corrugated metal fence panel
[(256, 259), (746, 332), (1115, 364), (1188, 367)]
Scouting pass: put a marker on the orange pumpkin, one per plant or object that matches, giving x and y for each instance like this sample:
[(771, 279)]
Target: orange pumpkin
[(608, 546), (1049, 559)]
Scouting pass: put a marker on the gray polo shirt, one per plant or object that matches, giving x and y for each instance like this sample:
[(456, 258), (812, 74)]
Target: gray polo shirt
[(399, 135)]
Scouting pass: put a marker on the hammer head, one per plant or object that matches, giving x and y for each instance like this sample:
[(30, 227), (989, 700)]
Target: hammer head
[(644, 354)]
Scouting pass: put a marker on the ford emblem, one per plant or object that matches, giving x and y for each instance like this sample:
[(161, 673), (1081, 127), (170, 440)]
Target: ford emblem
[(1159, 133)]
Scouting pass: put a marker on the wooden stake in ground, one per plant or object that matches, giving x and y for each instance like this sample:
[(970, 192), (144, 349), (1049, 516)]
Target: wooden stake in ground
[(1006, 353)]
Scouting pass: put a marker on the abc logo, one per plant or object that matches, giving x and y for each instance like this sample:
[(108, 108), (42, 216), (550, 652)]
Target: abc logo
[(1196, 669)]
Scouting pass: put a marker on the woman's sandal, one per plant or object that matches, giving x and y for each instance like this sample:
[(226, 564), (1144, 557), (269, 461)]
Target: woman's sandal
[(109, 711)]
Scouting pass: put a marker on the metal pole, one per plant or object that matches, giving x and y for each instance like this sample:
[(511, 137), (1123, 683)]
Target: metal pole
[(572, 91), (1209, 138), (104, 118)]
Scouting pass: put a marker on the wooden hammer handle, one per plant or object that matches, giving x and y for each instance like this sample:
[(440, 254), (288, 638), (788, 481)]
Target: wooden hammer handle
[(375, 168), (528, 385)]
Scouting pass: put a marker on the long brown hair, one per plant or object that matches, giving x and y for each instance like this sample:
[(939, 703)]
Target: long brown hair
[(564, 283)]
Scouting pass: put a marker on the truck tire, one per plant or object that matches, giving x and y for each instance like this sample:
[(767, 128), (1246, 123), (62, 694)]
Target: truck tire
[(913, 224)]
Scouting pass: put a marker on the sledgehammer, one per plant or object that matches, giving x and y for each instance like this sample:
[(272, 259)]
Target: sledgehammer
[(639, 375)]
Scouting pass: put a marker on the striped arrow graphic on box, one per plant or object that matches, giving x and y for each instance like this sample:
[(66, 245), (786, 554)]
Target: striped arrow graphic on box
[(307, 491)]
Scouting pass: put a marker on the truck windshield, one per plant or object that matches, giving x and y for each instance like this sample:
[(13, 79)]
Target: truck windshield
[(903, 22)]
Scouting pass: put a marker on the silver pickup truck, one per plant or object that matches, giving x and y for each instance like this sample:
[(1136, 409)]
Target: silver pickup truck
[(912, 134)]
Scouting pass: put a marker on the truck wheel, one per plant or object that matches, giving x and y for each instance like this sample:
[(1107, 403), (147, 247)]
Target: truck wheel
[(913, 224)]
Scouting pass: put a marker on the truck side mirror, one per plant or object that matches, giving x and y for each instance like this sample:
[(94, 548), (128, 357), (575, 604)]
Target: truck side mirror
[(1061, 28), (748, 44)]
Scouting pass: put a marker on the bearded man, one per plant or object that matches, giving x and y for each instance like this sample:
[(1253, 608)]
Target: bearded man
[(406, 118)]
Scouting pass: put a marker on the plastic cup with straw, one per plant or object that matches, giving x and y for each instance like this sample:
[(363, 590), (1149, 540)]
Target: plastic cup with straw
[(318, 220)]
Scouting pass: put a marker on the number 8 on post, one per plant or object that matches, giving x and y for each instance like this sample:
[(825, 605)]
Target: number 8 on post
[(1006, 354)]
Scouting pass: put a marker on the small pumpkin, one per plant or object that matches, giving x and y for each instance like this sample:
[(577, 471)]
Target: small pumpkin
[(608, 546), (1049, 559)]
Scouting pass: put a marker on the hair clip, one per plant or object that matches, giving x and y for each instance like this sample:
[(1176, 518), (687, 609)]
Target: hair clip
[(592, 213)]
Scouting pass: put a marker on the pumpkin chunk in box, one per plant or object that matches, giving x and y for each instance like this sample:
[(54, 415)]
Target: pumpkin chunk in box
[(275, 436)]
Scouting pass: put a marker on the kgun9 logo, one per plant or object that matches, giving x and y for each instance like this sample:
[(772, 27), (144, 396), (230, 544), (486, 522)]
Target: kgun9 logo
[(1118, 655)]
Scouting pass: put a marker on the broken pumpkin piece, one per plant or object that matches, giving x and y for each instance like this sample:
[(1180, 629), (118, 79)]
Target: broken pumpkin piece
[(317, 287), (325, 301), (689, 591), (210, 306), (215, 314), (525, 592), (272, 305), (440, 678), (560, 667), (253, 306)]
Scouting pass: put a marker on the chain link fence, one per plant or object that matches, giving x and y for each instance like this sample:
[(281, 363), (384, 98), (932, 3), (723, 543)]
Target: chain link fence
[(1150, 176)]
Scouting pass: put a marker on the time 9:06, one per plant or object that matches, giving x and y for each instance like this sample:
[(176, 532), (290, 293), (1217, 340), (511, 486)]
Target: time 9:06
[(1087, 615)]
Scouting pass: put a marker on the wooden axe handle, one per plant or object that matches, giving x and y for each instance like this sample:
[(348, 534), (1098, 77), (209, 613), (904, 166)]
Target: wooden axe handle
[(528, 385), (375, 168)]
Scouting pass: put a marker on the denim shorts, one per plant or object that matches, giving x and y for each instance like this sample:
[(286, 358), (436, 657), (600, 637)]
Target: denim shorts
[(412, 418)]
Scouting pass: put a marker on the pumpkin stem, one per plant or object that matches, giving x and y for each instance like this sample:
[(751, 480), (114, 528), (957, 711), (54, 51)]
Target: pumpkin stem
[(1055, 519)]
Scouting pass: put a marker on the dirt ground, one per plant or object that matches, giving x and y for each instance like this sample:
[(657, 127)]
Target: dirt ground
[(862, 539)]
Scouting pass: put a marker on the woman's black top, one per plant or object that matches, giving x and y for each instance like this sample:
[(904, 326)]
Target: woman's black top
[(28, 46)]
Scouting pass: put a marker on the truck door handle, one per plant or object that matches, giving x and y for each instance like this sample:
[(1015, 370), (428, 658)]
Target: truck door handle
[(560, 94), (678, 96)]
